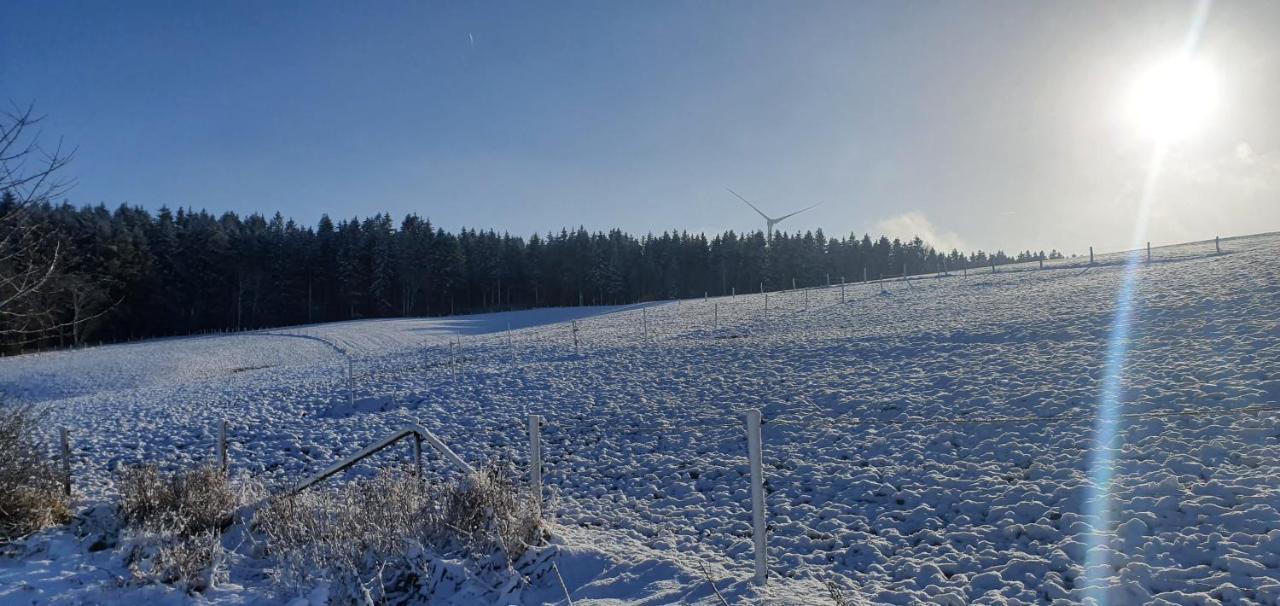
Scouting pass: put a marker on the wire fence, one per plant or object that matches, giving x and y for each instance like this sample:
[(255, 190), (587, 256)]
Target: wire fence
[(684, 482)]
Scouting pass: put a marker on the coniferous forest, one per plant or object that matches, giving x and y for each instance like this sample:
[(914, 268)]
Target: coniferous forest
[(129, 273)]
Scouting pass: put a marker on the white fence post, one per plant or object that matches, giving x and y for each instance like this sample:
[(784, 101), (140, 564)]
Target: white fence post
[(223, 463), (66, 461), (757, 496), (511, 348), (733, 293), (535, 460), (351, 383)]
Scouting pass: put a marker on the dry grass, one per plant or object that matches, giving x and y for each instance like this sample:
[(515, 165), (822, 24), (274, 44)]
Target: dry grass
[(175, 522), (30, 486), (387, 539)]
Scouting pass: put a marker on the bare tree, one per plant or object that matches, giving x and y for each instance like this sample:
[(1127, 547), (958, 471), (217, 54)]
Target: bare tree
[(30, 255)]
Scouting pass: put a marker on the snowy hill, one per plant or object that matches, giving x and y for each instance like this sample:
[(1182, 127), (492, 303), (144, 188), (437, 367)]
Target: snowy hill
[(925, 441)]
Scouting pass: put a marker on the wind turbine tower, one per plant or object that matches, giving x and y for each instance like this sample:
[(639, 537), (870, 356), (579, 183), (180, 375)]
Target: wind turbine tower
[(769, 222)]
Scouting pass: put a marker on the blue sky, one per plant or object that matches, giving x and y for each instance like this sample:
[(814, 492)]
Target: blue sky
[(987, 124)]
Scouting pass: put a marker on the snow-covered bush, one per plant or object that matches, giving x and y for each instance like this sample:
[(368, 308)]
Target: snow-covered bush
[(393, 539), (30, 487), (174, 523)]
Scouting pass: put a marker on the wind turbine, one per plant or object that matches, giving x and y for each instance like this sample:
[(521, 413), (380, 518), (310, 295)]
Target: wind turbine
[(769, 222)]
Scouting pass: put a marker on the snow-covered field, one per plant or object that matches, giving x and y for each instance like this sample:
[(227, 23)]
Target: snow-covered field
[(899, 457)]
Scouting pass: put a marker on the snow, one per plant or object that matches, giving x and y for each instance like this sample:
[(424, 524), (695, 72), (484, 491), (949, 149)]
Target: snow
[(874, 479)]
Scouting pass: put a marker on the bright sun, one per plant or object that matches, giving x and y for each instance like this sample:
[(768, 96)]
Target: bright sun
[(1173, 100)]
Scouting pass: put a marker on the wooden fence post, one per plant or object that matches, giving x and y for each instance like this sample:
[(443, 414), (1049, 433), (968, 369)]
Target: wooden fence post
[(864, 273), (223, 463), (66, 461), (793, 283), (1090, 255), (733, 293), (1148, 253), (535, 460), (575, 337), (715, 316), (417, 457), (1217, 246), (758, 528)]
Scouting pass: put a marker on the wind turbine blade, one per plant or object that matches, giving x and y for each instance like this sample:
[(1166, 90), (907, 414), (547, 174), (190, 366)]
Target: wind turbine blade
[(797, 212), (753, 206)]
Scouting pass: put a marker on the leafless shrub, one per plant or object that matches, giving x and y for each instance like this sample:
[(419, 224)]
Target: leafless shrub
[(186, 502), (175, 522), (837, 594), (488, 512), (30, 486), (392, 538)]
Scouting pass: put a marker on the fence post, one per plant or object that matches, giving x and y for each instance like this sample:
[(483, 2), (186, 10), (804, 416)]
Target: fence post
[(733, 293), (828, 279), (806, 299), (1090, 255), (842, 290), (715, 316), (993, 265), (757, 495), (417, 456), (575, 337), (793, 283), (766, 305), (66, 461), (351, 383), (864, 273), (223, 463), (644, 321), (535, 460), (1217, 246)]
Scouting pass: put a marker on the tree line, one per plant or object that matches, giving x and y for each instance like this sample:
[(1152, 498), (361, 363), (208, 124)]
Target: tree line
[(129, 273)]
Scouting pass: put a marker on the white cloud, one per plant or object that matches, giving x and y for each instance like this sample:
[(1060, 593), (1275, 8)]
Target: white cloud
[(911, 224)]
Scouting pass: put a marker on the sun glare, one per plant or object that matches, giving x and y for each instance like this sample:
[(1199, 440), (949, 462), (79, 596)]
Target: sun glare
[(1173, 100)]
